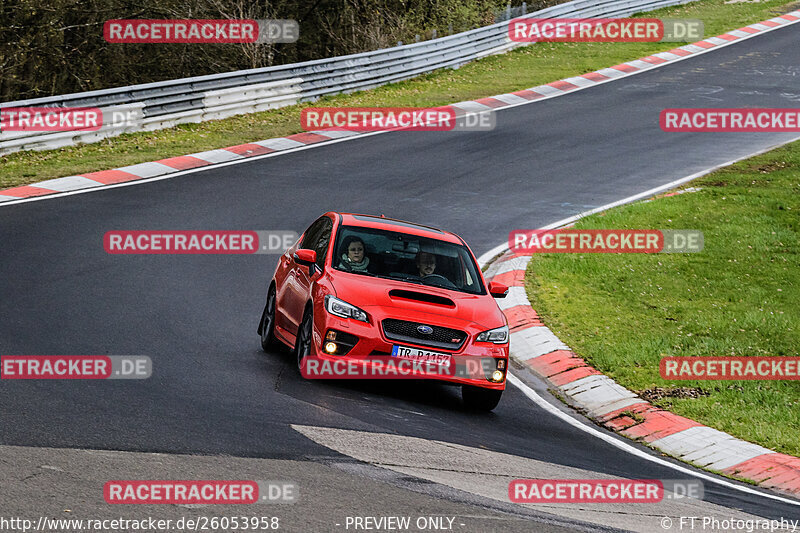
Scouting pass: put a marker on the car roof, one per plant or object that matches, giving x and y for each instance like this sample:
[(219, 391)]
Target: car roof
[(393, 224)]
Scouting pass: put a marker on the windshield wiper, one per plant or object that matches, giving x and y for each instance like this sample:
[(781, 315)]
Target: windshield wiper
[(401, 278), (441, 285), (362, 272), (430, 283)]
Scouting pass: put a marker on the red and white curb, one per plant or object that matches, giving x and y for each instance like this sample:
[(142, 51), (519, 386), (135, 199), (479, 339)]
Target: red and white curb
[(165, 167), (533, 345)]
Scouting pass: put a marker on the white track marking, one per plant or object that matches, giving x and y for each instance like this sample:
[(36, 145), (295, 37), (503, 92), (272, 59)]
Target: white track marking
[(628, 448)]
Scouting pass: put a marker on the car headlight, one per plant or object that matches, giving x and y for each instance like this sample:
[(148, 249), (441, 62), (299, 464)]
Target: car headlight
[(496, 335), (338, 307)]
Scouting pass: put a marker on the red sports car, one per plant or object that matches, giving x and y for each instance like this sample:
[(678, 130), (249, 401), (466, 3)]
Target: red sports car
[(360, 286)]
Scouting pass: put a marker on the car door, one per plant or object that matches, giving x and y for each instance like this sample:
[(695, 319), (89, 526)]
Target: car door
[(297, 286)]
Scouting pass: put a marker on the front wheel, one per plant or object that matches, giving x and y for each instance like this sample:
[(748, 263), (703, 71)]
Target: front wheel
[(267, 326), (302, 345), (480, 399)]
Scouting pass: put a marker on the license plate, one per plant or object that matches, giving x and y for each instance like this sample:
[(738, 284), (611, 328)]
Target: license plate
[(415, 354)]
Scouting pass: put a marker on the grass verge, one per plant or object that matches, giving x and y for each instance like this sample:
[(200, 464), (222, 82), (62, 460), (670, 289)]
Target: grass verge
[(739, 296), (518, 69)]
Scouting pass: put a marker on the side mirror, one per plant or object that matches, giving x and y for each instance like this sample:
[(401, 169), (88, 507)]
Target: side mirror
[(307, 258), (497, 290)]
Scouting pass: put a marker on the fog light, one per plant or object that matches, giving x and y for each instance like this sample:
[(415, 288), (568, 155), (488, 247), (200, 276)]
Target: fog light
[(338, 342), (497, 376)]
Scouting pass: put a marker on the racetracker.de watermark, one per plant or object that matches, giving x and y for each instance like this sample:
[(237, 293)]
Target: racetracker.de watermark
[(77, 119), (766, 120), (198, 242), (206, 31), (438, 366), (185, 492), (75, 367), (603, 490), (368, 119), (723, 368), (50, 119), (604, 30), (583, 241)]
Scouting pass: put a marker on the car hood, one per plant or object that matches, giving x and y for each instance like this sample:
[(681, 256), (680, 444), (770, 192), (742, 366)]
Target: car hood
[(412, 301)]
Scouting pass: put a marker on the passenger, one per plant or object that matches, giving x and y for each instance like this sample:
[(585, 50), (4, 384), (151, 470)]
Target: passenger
[(426, 263), (354, 257)]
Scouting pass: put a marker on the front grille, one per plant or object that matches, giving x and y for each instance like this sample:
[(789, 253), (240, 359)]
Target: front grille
[(440, 337)]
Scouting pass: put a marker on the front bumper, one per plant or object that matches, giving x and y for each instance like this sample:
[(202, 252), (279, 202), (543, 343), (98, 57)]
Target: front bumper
[(371, 343)]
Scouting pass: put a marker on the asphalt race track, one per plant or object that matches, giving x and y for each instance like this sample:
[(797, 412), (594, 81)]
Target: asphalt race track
[(213, 392)]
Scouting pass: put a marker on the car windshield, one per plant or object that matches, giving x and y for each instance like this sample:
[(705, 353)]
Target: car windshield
[(408, 258)]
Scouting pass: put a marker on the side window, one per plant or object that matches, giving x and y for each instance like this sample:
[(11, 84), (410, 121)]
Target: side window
[(321, 245), (317, 237), (312, 234)]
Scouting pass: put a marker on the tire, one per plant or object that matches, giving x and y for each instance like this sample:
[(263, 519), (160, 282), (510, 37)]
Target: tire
[(266, 328), (480, 399), (302, 344)]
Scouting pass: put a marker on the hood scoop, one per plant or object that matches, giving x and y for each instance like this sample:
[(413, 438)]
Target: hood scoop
[(399, 294)]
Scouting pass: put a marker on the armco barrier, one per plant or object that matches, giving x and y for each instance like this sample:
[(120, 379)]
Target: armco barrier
[(117, 119), (165, 104)]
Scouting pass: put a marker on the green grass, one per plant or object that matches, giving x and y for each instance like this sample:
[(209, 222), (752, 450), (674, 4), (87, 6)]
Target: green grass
[(519, 69), (739, 296)]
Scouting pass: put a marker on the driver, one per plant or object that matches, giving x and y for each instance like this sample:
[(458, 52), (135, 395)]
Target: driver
[(354, 259), (426, 263)]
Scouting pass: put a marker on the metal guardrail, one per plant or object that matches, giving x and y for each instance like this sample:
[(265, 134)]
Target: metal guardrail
[(164, 104)]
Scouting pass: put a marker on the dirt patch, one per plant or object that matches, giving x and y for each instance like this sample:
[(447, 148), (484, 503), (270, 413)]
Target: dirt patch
[(768, 167), (657, 393), (788, 8)]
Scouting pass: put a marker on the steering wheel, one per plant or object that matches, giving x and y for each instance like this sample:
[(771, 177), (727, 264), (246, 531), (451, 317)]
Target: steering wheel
[(439, 276)]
